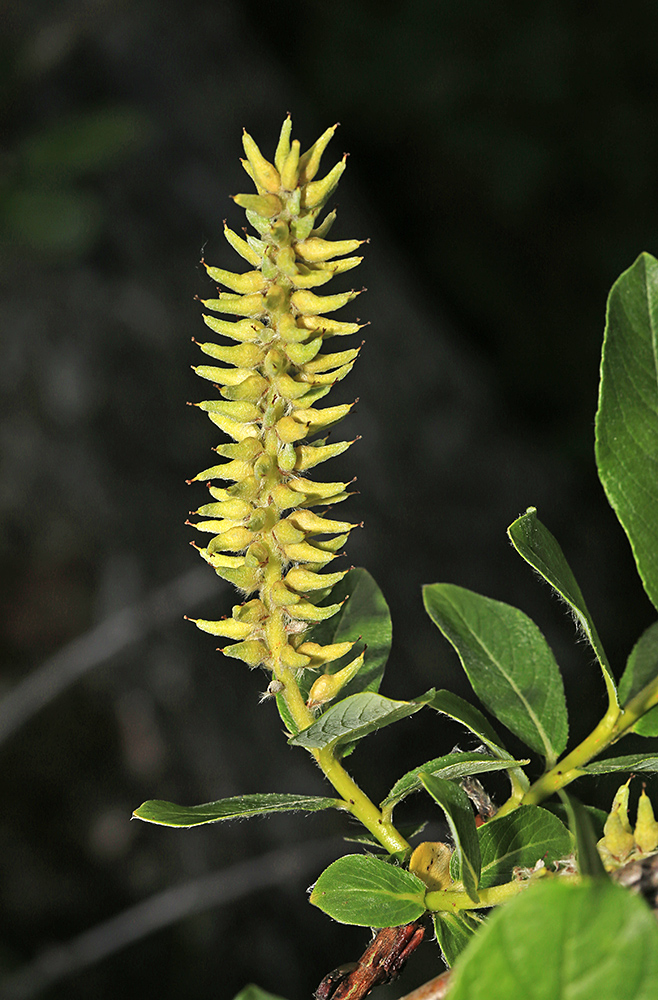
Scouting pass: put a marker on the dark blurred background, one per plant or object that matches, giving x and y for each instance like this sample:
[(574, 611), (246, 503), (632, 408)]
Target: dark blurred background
[(504, 163)]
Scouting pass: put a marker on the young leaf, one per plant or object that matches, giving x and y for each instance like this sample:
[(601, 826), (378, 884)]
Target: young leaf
[(581, 826), (453, 932), (641, 668), (358, 889), (541, 550), (451, 767), (355, 717), (559, 940), (631, 762), (238, 807), (459, 814), (508, 662), (627, 416), (519, 840)]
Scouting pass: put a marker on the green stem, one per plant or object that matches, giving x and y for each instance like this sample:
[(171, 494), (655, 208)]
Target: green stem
[(359, 804), (614, 724), (453, 900), (356, 801)]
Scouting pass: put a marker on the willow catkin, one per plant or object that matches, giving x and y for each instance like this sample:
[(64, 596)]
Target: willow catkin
[(265, 537)]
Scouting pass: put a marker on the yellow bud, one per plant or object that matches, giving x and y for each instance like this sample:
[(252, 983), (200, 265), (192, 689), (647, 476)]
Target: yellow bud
[(326, 687), (283, 145), (312, 305), (308, 612), (309, 162), (228, 627), (253, 652), (290, 167), (250, 281), (320, 655), (293, 659), (265, 173), (430, 862), (646, 827), (309, 456), (265, 205), (290, 430), (317, 193), (302, 580), (314, 250), (242, 247), (253, 611), (245, 330)]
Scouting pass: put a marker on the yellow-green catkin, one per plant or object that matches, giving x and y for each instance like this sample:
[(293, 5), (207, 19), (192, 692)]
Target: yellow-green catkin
[(265, 538), (620, 843)]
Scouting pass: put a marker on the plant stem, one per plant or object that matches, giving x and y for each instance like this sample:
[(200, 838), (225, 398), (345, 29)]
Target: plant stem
[(453, 900), (614, 724), (359, 804)]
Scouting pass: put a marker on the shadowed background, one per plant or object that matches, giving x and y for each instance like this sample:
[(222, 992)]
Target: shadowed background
[(505, 166)]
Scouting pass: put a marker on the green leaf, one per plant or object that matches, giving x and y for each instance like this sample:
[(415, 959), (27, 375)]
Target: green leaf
[(459, 814), (252, 992), (627, 416), (238, 807), (560, 941), (355, 717), (358, 889), (541, 550), (597, 816), (451, 767), (581, 826), (631, 762), (641, 669), (519, 840), (508, 662), (365, 617), (453, 932)]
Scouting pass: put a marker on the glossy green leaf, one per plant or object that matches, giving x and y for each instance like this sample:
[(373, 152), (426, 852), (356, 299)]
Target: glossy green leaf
[(360, 889), (560, 941), (641, 668), (355, 717), (252, 992), (588, 858), (453, 932), (540, 549), (627, 416), (631, 762), (519, 840), (508, 662), (459, 814), (451, 767), (238, 807)]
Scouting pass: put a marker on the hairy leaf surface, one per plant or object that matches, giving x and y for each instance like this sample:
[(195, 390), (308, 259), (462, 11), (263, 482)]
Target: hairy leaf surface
[(238, 807), (641, 668), (451, 767)]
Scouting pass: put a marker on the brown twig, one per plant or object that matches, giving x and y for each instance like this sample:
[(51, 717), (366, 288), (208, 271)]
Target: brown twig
[(381, 962)]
